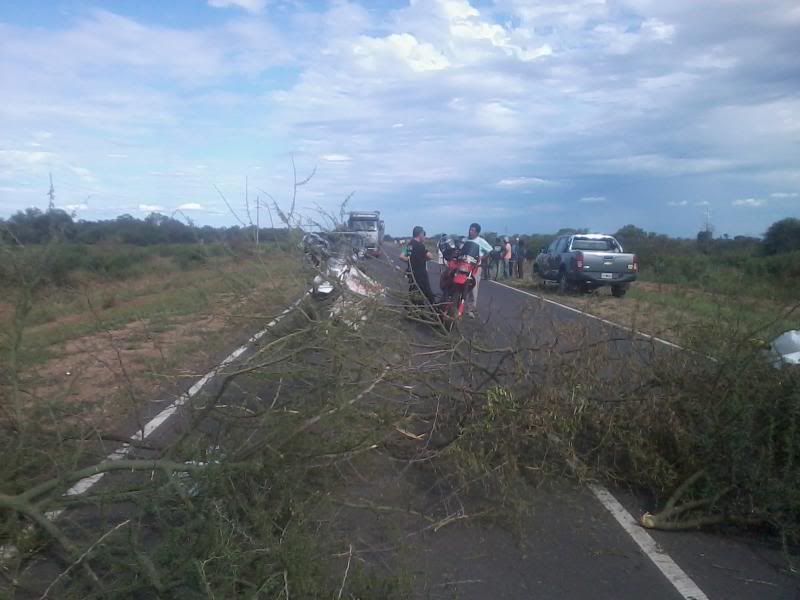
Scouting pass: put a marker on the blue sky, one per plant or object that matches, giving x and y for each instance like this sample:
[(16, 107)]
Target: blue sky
[(527, 116)]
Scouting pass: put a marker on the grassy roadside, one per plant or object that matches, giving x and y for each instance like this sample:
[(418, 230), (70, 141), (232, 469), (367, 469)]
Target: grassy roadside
[(674, 312), (251, 515), (105, 346)]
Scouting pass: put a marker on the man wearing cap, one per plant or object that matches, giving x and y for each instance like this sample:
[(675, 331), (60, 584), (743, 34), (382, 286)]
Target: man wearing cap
[(485, 248)]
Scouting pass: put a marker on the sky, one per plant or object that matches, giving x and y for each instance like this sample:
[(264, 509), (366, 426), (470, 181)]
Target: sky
[(526, 116)]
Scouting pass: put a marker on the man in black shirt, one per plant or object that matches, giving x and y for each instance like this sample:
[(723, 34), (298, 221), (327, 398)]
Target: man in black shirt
[(418, 258)]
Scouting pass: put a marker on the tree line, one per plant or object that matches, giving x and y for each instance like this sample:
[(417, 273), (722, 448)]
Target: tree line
[(34, 226)]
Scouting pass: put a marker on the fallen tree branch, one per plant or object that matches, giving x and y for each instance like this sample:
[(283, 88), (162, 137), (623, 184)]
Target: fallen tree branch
[(103, 467)]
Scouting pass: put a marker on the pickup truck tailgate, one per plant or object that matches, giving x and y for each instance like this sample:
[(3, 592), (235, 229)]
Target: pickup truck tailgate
[(599, 262)]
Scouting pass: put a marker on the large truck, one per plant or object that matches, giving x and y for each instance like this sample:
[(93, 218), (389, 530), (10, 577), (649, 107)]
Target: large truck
[(370, 228)]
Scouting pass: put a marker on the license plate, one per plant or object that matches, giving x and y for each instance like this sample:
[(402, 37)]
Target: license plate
[(607, 276)]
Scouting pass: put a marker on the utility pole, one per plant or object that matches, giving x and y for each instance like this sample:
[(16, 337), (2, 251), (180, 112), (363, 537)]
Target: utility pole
[(258, 218), (52, 195), (707, 226)]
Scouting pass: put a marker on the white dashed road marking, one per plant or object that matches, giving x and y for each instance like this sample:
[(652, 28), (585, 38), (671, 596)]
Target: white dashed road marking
[(84, 485)]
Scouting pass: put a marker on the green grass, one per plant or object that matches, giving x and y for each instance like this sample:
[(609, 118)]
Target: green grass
[(742, 313), (157, 300), (682, 313)]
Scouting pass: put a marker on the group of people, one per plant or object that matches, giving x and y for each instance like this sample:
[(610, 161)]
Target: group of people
[(506, 260), (417, 257)]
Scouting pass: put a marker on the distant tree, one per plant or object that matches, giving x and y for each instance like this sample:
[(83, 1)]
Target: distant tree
[(630, 232), (704, 236), (36, 227), (782, 236), (631, 236), (705, 239)]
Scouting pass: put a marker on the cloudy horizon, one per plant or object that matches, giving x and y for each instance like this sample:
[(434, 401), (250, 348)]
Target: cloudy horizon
[(525, 116)]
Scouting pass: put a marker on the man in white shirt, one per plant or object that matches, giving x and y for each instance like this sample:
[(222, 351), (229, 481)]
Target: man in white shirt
[(485, 248), (442, 262)]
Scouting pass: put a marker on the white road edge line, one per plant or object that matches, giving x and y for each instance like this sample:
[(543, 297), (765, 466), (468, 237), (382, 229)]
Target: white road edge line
[(675, 575), (591, 316), (84, 485), (684, 584)]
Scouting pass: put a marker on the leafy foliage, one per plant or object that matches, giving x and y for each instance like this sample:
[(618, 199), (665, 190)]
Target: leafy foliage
[(782, 236), (33, 226)]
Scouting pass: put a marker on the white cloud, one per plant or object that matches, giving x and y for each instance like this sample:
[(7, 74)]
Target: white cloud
[(659, 164), (115, 155), (377, 54), (703, 203), (335, 157), (75, 207), (678, 202), (83, 174), (251, 6), (524, 182), (191, 206), (658, 30), (592, 199), (23, 157), (497, 116), (751, 202), (150, 208), (784, 195), (14, 163)]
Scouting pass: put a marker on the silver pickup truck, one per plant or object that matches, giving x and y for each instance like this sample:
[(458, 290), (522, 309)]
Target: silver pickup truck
[(587, 261)]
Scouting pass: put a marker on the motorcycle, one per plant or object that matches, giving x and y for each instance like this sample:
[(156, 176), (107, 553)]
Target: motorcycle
[(458, 278)]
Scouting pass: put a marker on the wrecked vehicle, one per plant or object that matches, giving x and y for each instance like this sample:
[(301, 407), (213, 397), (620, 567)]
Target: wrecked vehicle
[(335, 257)]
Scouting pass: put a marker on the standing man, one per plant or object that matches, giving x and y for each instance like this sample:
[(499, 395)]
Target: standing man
[(418, 257), (507, 253), (495, 259), (442, 262), (485, 248), (520, 248)]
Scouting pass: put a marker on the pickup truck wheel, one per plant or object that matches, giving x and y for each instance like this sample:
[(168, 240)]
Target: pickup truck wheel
[(618, 291), (563, 283)]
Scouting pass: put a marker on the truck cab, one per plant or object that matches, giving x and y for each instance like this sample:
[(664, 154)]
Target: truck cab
[(370, 227)]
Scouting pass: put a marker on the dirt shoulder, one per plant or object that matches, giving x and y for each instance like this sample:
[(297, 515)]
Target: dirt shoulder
[(113, 346)]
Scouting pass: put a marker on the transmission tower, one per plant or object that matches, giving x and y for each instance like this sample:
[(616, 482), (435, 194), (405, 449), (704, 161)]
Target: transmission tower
[(52, 195), (707, 226)]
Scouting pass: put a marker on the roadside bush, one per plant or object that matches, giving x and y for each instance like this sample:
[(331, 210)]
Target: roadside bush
[(187, 257), (721, 439), (711, 441)]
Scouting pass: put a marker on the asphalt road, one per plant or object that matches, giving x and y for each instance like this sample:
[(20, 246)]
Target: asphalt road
[(574, 547)]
